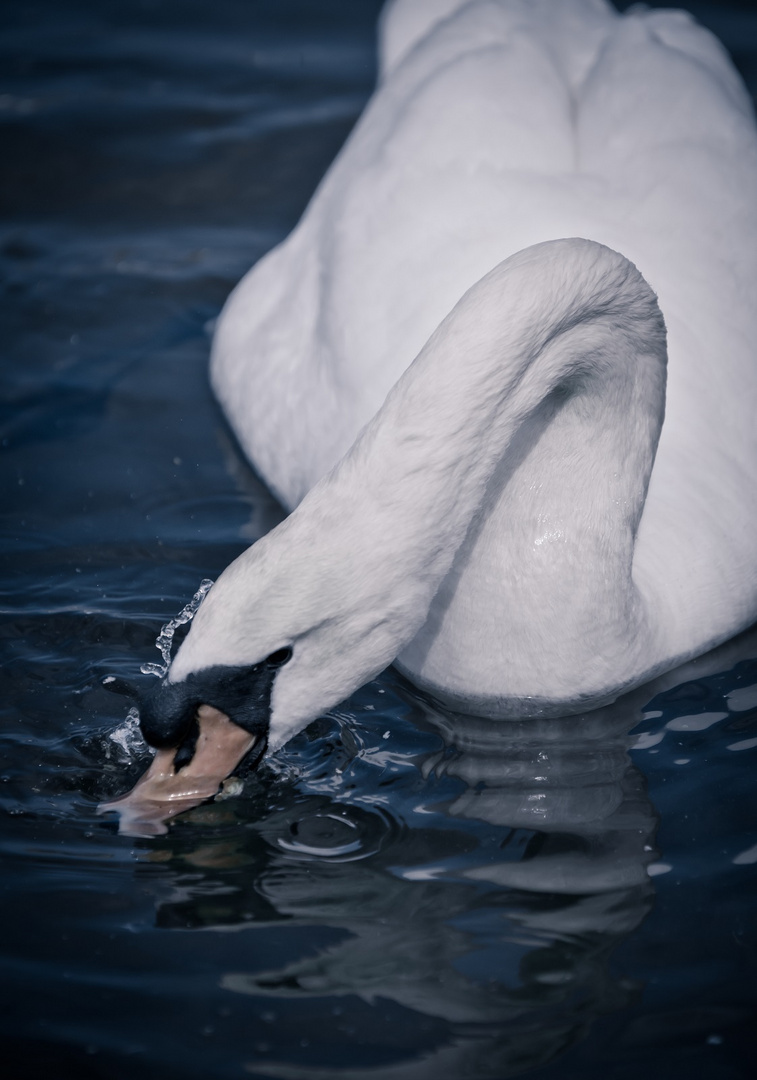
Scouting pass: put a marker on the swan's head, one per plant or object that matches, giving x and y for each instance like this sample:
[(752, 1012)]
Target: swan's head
[(172, 714), (240, 643), (290, 629), (202, 727), (266, 653)]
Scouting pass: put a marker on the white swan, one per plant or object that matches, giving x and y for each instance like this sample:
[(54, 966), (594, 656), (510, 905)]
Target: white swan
[(456, 382)]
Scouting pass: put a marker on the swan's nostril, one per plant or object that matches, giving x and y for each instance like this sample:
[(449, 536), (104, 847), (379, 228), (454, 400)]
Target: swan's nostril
[(188, 745)]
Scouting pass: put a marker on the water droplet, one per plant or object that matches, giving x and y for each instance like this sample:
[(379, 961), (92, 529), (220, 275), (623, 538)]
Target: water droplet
[(164, 641)]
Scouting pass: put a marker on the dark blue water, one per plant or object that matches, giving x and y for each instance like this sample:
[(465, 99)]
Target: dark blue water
[(399, 895)]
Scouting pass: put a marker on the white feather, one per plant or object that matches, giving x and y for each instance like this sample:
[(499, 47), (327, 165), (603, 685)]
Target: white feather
[(464, 408)]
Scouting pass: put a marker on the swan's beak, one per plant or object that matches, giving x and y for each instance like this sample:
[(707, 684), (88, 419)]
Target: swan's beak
[(198, 744), (165, 791)]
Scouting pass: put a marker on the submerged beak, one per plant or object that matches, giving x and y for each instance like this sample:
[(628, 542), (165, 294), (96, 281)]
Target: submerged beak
[(165, 791), (198, 744)]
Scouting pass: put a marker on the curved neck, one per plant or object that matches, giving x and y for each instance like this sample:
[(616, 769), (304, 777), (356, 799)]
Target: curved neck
[(564, 337), (562, 347)]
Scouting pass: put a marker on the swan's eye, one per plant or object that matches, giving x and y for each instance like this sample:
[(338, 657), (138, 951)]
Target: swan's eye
[(276, 659)]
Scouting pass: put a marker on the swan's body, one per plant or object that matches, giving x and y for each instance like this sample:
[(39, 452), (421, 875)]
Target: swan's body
[(506, 525)]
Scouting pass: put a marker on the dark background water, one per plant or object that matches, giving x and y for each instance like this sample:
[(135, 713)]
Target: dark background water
[(399, 895)]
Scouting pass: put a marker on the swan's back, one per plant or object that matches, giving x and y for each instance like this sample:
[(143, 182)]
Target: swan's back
[(498, 125)]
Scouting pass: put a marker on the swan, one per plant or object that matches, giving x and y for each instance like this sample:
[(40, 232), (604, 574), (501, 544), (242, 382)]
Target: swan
[(502, 375)]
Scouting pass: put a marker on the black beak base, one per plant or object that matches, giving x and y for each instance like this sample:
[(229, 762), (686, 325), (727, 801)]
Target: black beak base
[(167, 714)]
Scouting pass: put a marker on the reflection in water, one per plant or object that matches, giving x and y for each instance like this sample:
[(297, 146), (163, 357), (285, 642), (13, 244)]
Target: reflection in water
[(500, 937)]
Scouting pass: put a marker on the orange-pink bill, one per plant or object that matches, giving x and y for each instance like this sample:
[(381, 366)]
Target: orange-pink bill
[(161, 793)]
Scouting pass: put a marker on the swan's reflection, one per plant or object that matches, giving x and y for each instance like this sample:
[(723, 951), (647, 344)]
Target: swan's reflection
[(571, 782), (496, 918)]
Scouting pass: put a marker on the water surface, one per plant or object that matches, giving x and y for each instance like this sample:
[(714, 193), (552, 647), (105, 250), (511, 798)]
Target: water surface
[(399, 895)]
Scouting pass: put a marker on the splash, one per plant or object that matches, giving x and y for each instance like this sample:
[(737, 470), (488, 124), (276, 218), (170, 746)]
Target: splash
[(164, 640), (128, 738)]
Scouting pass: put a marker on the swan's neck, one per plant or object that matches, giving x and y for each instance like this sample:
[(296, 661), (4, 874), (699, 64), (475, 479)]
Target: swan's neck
[(537, 403)]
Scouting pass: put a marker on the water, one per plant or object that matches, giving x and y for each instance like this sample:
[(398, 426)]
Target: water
[(397, 896), (164, 642)]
